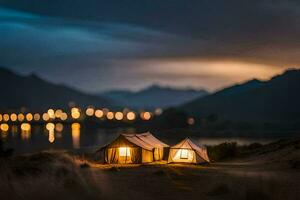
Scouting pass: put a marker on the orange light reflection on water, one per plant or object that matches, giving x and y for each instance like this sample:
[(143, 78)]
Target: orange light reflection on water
[(75, 135)]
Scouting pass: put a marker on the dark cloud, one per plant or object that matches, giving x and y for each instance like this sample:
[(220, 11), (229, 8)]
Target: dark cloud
[(51, 36)]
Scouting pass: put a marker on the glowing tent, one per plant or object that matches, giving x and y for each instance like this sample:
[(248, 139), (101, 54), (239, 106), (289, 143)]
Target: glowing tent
[(133, 148), (187, 152)]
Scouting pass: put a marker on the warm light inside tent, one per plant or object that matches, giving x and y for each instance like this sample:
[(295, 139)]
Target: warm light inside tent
[(124, 151), (184, 154)]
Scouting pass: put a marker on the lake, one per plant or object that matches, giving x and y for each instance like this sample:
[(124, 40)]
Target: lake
[(79, 137)]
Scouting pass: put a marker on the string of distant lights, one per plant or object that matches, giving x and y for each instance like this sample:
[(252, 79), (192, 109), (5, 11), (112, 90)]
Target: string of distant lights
[(54, 119), (78, 114), (75, 114)]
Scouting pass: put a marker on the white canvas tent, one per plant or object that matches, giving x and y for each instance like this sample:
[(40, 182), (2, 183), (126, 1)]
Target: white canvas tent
[(133, 148), (188, 152)]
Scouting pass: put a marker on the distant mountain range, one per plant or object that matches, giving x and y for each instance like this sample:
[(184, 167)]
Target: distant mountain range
[(153, 97), (34, 93), (276, 100)]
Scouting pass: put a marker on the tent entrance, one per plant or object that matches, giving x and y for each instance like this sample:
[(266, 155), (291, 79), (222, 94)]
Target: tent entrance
[(182, 155), (122, 155), (124, 151)]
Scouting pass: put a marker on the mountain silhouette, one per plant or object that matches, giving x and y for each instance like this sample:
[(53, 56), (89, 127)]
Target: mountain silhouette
[(276, 100), (153, 97), (34, 93)]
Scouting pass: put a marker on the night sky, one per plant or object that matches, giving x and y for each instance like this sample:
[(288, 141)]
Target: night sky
[(96, 45)]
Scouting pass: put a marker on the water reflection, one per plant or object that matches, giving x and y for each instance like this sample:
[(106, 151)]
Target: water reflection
[(76, 135), (59, 127), (25, 131), (31, 137), (51, 137), (4, 131), (14, 130), (4, 128), (25, 135), (50, 127)]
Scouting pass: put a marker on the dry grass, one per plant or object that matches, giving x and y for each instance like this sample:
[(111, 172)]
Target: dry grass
[(41, 176), (59, 175)]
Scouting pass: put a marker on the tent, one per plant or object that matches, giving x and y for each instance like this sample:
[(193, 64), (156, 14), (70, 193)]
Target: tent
[(133, 148), (188, 152)]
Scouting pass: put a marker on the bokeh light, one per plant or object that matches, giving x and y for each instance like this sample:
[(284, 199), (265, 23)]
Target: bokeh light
[(158, 111), (75, 126), (90, 111), (59, 127), (75, 113), (99, 113), (46, 117), (21, 117), (130, 116), (36, 116), (13, 117), (119, 116), (6, 117), (51, 113), (146, 115), (29, 117), (58, 113), (50, 126), (191, 121), (51, 137), (4, 127), (110, 115), (75, 135), (25, 127), (64, 116)]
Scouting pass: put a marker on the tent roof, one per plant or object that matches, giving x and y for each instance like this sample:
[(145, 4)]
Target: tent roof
[(188, 144), (145, 140)]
